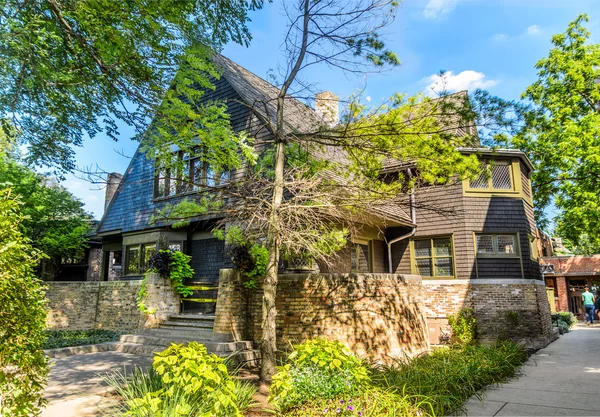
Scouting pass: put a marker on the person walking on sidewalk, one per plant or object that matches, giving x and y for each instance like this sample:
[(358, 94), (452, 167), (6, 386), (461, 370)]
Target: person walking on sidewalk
[(588, 304)]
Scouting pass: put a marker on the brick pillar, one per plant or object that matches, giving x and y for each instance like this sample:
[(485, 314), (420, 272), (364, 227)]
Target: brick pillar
[(231, 311), (562, 293), (161, 300)]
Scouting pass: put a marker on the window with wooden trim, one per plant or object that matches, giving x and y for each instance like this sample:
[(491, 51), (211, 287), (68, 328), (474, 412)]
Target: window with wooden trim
[(137, 257), (496, 244), (433, 257), (189, 173), (496, 176), (533, 248)]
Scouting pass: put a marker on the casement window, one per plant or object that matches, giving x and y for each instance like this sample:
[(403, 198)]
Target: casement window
[(497, 245), (496, 176), (188, 174), (360, 256), (433, 257), (137, 257)]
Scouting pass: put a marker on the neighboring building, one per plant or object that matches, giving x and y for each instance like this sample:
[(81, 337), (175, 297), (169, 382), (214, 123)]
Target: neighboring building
[(453, 236), (567, 276)]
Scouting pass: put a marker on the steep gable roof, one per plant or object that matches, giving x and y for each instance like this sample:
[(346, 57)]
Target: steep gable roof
[(261, 97)]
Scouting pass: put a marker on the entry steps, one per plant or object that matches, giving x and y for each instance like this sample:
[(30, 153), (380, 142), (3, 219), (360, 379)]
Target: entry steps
[(185, 328)]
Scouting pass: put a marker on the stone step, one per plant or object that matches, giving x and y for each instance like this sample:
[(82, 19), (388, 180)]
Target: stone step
[(192, 317), (214, 347), (205, 334), (186, 324)]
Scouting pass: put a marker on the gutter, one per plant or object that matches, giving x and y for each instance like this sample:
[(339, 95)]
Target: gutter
[(413, 217)]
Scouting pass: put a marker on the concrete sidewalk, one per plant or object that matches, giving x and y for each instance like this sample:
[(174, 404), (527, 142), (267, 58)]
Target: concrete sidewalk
[(561, 380), (76, 390)]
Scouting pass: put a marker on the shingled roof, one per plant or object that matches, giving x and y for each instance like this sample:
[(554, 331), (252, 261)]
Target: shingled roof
[(261, 97)]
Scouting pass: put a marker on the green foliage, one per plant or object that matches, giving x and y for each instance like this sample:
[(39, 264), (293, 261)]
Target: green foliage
[(23, 367), (192, 383), (54, 220), (512, 317), (174, 263), (562, 134), (464, 326), (317, 369), (141, 384), (445, 379), (565, 320), (68, 68), (64, 338), (374, 402)]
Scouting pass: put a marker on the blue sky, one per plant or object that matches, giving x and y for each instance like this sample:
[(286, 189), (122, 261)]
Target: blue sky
[(491, 44)]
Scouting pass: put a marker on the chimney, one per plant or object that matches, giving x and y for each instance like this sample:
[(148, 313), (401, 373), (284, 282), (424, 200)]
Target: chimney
[(326, 106), (112, 183)]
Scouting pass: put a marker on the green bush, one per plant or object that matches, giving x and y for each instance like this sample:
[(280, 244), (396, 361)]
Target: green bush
[(464, 326), (317, 369), (64, 338), (448, 377), (564, 320), (23, 367), (184, 381)]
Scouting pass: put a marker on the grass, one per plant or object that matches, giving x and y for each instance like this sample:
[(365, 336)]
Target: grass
[(64, 338), (436, 384)]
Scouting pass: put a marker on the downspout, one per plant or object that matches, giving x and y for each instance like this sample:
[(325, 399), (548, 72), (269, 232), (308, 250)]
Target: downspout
[(413, 218)]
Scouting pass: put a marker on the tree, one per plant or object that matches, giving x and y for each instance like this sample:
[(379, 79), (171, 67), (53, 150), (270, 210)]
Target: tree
[(561, 134), (53, 219), (23, 366), (311, 184), (71, 68)]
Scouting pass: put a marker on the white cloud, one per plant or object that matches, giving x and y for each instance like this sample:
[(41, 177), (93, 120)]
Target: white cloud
[(438, 8), (500, 37), (449, 82), (533, 30)]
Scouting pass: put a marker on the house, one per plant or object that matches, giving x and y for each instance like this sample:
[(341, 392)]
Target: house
[(455, 237), (566, 278)]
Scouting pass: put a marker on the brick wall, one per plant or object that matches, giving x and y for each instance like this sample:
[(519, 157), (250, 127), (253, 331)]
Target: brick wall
[(491, 300), (378, 315), (93, 305)]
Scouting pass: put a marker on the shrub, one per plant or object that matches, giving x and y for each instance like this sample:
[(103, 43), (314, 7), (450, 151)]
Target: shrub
[(63, 338), (317, 369), (184, 381), (564, 320), (446, 378), (464, 326), (23, 367)]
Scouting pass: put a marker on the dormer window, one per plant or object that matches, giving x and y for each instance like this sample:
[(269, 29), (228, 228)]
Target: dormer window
[(497, 175)]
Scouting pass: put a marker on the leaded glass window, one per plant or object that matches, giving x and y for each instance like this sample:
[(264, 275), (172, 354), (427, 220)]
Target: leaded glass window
[(496, 245), (433, 257)]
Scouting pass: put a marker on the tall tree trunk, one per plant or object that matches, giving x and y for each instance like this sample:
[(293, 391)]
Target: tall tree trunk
[(269, 341), (268, 348)]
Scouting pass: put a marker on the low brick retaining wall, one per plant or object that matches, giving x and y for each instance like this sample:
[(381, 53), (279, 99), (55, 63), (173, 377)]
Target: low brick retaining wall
[(93, 305), (516, 309), (378, 315)]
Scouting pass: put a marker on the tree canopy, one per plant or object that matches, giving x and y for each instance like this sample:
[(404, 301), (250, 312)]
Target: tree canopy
[(561, 134), (74, 68), (53, 219)]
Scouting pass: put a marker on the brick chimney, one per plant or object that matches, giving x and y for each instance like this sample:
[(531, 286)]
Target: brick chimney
[(112, 183), (326, 106)]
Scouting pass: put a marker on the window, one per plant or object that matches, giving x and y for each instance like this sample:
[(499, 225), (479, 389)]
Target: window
[(360, 257), (496, 245), (433, 257), (137, 257), (496, 176), (192, 174)]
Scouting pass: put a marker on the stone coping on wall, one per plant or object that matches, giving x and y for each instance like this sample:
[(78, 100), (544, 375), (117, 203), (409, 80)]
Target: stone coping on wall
[(94, 283), (356, 275), (483, 281)]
